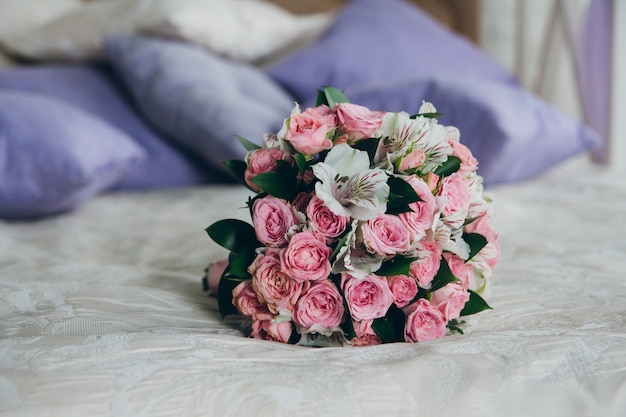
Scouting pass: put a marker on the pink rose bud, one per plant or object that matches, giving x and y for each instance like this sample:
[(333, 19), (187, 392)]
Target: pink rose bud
[(468, 162), (450, 300), (403, 288), (248, 304), (261, 161), (425, 268), (272, 218), (358, 122), (273, 286), (214, 274), (413, 160), (320, 308), (269, 330), (365, 335), (324, 221), (306, 258), (308, 131), (423, 322), (386, 235), (460, 269), (455, 195), (368, 298), (421, 218)]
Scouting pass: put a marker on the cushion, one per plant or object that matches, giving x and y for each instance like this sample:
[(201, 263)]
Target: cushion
[(381, 41), (513, 134), (242, 29), (54, 156), (199, 99), (95, 91)]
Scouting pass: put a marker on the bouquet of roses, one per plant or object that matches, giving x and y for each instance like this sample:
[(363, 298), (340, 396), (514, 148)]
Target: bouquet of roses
[(367, 227)]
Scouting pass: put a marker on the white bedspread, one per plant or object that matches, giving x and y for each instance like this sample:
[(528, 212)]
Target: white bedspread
[(102, 313)]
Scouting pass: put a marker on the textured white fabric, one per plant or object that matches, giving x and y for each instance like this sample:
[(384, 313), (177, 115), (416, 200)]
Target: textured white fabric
[(247, 30), (102, 313)]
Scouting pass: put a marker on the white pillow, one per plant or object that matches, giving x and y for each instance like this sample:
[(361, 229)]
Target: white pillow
[(21, 16), (247, 30)]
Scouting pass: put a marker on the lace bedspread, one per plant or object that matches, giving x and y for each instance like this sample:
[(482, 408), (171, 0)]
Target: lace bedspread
[(102, 313)]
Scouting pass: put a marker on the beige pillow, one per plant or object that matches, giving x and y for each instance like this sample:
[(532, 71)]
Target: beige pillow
[(247, 30)]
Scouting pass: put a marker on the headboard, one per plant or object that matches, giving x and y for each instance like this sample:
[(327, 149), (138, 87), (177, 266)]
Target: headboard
[(462, 16)]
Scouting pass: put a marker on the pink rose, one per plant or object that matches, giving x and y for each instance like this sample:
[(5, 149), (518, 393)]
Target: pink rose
[(425, 268), (248, 304), (423, 322), (491, 252), (301, 201), (261, 161), (307, 132), (386, 235), (365, 335), (450, 300), (468, 161), (368, 298), (413, 160), (273, 286), (432, 180), (463, 271), (272, 218), (214, 274), (358, 122), (421, 218), (306, 258), (324, 221), (320, 308), (455, 196), (403, 288), (269, 330)]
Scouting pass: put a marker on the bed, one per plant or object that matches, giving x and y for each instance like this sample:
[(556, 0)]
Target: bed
[(102, 309)]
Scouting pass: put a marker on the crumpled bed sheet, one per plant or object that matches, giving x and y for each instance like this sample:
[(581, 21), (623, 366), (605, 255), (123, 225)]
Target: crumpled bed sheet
[(102, 313)]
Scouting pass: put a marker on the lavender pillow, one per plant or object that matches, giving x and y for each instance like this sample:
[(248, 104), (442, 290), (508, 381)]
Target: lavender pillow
[(513, 134), (200, 100), (96, 91), (381, 41), (53, 156)]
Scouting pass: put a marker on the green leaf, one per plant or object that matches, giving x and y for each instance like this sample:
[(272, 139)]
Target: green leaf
[(444, 276), (329, 96), (452, 165), (391, 327), (281, 183), (398, 265), (225, 295), (250, 146), (475, 304), (240, 261), (300, 162), (341, 243), (276, 184), (476, 242), (369, 145), (401, 194), (232, 234), (238, 170), (434, 115)]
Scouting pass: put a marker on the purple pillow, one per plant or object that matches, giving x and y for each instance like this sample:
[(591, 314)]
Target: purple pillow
[(95, 91), (201, 100), (513, 134), (54, 156), (375, 41)]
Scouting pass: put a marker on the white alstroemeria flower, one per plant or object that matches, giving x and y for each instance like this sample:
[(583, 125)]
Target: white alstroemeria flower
[(451, 240), (348, 186), (354, 258), (402, 135)]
